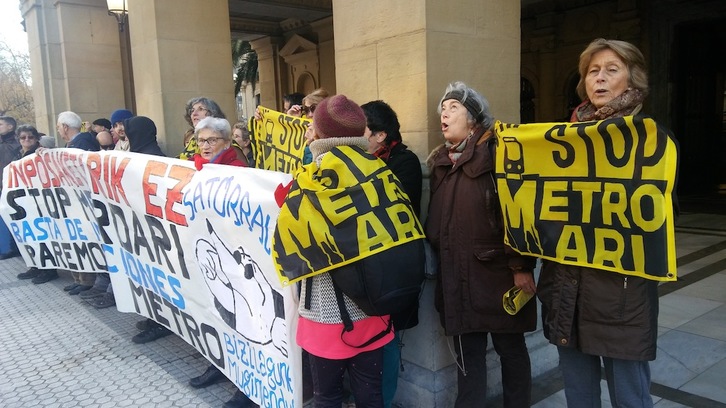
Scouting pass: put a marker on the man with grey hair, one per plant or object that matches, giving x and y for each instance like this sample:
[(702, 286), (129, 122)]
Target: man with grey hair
[(69, 130)]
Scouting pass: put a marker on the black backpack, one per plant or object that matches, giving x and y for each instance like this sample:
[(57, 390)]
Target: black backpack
[(381, 284)]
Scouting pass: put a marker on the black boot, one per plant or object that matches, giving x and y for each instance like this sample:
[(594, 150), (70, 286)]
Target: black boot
[(145, 324), (78, 289), (211, 376), (29, 274), (155, 331), (240, 400), (102, 302), (46, 275)]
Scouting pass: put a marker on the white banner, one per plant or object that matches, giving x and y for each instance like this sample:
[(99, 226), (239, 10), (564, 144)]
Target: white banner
[(189, 249)]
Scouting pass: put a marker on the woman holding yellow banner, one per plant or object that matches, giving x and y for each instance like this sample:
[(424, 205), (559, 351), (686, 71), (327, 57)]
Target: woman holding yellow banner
[(466, 227), (594, 316)]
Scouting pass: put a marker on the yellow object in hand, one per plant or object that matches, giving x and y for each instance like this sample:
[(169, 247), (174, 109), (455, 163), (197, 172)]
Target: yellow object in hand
[(514, 300)]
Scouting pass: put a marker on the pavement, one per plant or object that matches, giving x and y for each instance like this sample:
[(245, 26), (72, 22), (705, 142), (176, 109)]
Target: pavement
[(690, 368), (58, 351)]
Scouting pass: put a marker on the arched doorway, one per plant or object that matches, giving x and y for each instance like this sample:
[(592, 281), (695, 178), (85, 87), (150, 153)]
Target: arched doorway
[(526, 102), (698, 107)]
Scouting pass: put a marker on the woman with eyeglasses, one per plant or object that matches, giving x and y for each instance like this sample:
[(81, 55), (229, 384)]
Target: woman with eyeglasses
[(309, 103), (29, 139), (306, 110), (197, 109), (241, 136), (214, 138)]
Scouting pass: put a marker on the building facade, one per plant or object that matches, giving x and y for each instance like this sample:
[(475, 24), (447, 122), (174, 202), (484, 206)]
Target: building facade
[(522, 56)]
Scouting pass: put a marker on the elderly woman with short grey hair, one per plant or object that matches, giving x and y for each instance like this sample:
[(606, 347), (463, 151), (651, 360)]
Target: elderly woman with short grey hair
[(214, 137), (466, 228), (214, 140)]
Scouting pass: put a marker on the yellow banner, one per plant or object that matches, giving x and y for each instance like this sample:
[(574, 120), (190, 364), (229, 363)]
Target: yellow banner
[(353, 208), (595, 194), (279, 140)]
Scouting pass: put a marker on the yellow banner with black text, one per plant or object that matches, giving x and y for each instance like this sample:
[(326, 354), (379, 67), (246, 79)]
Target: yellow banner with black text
[(279, 140), (594, 194), (350, 207)]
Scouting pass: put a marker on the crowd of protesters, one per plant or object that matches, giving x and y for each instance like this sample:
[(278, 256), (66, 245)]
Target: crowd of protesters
[(124, 131), (464, 227)]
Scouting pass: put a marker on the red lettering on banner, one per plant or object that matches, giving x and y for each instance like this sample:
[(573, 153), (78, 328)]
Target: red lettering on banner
[(94, 167), (153, 168), (173, 194), (115, 175), (106, 176)]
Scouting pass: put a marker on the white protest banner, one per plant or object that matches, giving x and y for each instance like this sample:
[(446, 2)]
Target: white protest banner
[(189, 249)]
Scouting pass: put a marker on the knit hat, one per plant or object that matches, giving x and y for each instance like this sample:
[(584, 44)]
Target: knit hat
[(476, 110), (338, 116), (119, 115), (103, 122)]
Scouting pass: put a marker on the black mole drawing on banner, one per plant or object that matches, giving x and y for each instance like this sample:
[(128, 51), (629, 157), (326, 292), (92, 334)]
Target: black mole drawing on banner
[(250, 306)]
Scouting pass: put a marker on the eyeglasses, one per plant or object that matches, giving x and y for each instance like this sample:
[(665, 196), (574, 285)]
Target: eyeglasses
[(108, 147), (211, 140), (308, 109), (26, 138), (201, 109)]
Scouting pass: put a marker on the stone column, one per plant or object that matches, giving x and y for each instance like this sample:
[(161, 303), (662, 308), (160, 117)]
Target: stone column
[(323, 30), (548, 97), (405, 53), (268, 65), (75, 59), (180, 49)]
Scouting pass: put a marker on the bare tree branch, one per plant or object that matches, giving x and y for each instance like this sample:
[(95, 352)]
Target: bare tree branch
[(16, 93)]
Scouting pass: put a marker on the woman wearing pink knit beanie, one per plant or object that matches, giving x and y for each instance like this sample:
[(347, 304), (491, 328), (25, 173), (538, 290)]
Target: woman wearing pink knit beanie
[(334, 344), (337, 121)]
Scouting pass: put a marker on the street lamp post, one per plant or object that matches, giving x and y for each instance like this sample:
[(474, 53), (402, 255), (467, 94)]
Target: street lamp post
[(119, 9)]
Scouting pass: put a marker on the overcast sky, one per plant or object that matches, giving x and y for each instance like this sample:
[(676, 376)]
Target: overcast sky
[(11, 32)]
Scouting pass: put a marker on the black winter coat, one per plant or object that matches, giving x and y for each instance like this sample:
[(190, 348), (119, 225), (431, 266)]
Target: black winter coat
[(407, 168), (85, 141), (141, 134), (465, 226), (9, 150)]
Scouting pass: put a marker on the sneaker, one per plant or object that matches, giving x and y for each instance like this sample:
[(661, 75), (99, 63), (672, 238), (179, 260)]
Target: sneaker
[(107, 300), (45, 275), (78, 289), (29, 274), (91, 293), (157, 331)]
